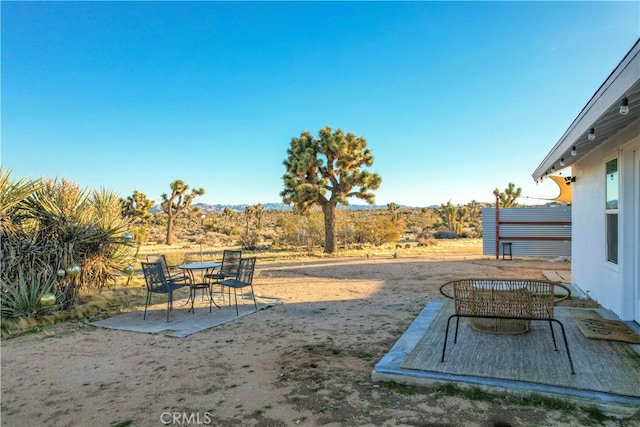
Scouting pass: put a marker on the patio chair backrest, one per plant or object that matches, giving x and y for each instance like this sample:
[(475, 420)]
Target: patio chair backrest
[(230, 263), (523, 298), (154, 276), (245, 271), (162, 260)]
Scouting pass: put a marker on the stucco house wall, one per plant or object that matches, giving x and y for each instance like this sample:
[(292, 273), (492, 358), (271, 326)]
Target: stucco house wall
[(607, 128), (603, 280)]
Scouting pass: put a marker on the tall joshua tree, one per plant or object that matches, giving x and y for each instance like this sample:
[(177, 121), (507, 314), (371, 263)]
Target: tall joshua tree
[(327, 181), (178, 202), (509, 197)]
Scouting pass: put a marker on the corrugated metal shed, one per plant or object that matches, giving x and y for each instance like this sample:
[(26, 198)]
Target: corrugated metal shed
[(540, 231)]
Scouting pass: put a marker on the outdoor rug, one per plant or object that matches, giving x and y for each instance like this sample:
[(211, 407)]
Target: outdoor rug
[(601, 366), (183, 323), (603, 329)]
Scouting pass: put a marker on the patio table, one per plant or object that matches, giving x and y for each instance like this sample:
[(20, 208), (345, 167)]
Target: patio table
[(196, 271)]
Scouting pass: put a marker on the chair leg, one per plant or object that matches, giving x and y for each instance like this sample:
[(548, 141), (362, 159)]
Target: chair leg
[(566, 345), (235, 296), (168, 305), (192, 295), (455, 337), (446, 335), (553, 336), (146, 303), (253, 294)]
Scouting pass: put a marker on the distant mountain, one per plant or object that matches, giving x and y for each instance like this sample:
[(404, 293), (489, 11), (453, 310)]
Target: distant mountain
[(218, 208)]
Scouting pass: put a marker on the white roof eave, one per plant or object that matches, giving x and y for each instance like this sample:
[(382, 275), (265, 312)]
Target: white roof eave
[(603, 106)]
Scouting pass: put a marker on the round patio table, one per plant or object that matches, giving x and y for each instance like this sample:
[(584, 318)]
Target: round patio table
[(196, 271)]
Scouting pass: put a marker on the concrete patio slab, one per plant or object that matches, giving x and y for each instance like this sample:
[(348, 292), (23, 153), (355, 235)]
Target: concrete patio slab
[(473, 365), (182, 322)]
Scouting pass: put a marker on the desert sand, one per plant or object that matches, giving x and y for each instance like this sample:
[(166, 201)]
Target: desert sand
[(307, 361)]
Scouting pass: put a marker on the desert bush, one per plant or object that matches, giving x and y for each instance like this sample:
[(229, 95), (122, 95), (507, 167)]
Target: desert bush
[(175, 258), (22, 298), (249, 241), (212, 227), (427, 241), (58, 235), (378, 230), (140, 234), (445, 234), (299, 230)]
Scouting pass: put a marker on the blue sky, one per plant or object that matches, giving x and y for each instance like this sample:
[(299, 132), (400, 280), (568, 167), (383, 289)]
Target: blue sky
[(454, 98)]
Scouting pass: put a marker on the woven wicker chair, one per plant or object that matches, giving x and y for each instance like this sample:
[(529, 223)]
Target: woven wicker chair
[(524, 300)]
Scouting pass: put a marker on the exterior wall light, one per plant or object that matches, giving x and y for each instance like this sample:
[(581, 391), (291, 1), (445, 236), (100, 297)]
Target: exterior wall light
[(592, 134), (624, 106), (562, 161), (573, 151)]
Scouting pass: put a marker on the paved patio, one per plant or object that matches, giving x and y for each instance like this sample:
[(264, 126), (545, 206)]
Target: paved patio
[(183, 322), (607, 372)]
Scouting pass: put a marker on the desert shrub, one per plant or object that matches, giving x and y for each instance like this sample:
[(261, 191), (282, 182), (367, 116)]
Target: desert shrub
[(378, 230), (445, 234), (208, 239), (22, 298), (427, 241), (175, 258), (57, 236), (212, 227), (140, 234), (249, 241), (299, 230)]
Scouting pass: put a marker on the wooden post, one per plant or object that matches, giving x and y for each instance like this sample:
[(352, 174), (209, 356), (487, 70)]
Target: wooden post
[(497, 227)]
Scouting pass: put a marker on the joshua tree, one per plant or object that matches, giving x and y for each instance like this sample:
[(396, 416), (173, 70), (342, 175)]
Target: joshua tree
[(249, 213), (178, 202), (258, 211), (449, 213), (137, 207), (508, 198), (393, 210), (310, 180), (227, 213)]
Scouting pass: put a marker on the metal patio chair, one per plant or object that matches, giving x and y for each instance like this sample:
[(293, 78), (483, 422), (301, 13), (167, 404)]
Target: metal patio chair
[(228, 270), (176, 276), (243, 279), (158, 283)]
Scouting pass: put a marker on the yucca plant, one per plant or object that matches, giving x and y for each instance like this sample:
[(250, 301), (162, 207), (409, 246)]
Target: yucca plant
[(13, 193), (22, 297), (71, 238)]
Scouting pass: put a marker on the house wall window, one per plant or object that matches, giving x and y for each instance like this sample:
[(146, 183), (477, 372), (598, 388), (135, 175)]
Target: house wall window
[(611, 210)]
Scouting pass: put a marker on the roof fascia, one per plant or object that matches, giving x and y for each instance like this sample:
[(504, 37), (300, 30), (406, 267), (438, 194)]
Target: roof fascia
[(623, 77)]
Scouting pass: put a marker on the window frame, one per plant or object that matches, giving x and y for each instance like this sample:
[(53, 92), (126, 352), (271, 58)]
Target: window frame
[(611, 212)]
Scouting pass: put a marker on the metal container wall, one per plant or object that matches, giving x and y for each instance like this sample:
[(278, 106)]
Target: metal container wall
[(532, 248)]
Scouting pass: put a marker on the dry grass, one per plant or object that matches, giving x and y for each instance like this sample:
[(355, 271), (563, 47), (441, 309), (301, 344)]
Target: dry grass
[(181, 253)]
